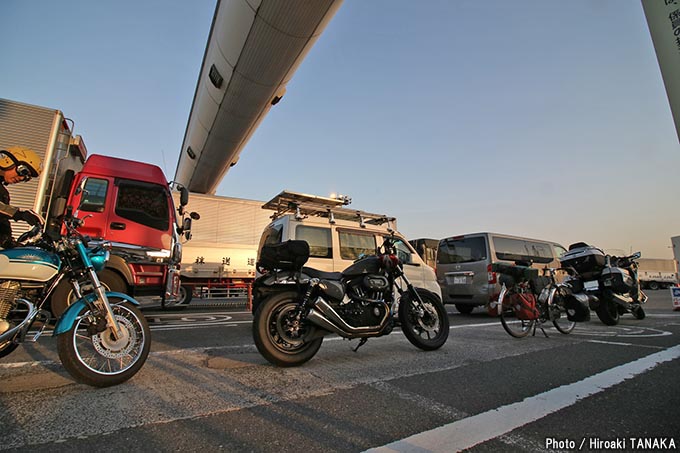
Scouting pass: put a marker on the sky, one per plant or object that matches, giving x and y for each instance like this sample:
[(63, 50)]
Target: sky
[(533, 118)]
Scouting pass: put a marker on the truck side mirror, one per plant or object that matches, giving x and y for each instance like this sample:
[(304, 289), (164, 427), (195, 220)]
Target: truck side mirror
[(183, 196), (186, 228)]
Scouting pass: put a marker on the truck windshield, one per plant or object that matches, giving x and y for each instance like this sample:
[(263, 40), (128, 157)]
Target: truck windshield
[(143, 203)]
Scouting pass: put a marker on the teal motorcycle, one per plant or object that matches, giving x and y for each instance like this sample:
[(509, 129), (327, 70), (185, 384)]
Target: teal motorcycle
[(102, 338)]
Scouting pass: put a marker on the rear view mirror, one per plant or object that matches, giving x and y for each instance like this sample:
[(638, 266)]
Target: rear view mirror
[(186, 228), (183, 196)]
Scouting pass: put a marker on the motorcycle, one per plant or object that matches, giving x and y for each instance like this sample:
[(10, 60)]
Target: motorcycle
[(295, 306), (102, 338), (609, 284)]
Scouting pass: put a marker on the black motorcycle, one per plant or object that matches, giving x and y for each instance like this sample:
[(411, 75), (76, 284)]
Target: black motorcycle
[(295, 307), (610, 284)]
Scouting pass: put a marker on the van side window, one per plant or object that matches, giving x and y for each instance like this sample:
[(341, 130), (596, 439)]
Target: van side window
[(354, 245), (94, 195), (146, 204), (522, 250), (461, 250), (319, 240)]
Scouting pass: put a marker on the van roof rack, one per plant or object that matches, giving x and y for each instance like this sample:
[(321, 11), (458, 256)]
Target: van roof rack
[(303, 206)]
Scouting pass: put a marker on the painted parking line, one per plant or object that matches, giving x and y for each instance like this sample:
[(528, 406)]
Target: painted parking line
[(465, 433)]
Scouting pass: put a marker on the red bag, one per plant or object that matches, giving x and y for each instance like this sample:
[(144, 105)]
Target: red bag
[(524, 305)]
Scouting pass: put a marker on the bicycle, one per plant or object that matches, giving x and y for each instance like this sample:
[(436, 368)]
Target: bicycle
[(520, 286)]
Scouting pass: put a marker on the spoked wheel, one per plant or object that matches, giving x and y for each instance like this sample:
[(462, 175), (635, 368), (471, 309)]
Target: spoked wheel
[(561, 322), (558, 315), (426, 326), (92, 355), (517, 328), (279, 334)]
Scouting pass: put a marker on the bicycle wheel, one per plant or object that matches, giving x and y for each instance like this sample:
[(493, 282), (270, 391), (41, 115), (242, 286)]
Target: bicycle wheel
[(517, 328), (561, 322), (558, 315)]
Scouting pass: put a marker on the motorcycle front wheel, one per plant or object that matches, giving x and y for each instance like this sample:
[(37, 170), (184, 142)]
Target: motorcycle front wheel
[(94, 357), (426, 326), (279, 334), (608, 311)]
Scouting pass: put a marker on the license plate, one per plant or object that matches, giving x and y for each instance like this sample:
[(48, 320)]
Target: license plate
[(591, 285), (459, 280)]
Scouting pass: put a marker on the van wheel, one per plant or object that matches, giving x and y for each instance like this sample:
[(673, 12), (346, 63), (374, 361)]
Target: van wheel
[(653, 286), (464, 308)]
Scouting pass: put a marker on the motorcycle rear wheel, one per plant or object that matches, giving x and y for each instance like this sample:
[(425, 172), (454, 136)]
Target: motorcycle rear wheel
[(279, 335), (427, 329), (100, 360)]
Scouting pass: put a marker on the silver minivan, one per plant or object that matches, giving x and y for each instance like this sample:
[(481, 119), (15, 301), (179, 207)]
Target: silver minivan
[(464, 264)]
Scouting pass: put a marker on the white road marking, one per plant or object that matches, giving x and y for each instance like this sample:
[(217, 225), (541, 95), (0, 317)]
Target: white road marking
[(465, 433), (620, 343)]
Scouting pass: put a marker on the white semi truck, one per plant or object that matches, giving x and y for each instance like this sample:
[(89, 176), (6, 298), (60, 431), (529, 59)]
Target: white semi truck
[(219, 260), (657, 273)]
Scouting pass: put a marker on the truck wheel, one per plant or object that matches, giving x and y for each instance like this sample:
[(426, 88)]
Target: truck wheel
[(63, 294), (654, 285), (185, 296)]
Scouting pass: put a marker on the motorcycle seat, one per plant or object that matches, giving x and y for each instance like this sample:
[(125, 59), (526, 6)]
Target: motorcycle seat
[(315, 273)]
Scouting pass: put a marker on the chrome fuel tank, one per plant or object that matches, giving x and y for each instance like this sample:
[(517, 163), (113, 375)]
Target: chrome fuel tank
[(28, 263)]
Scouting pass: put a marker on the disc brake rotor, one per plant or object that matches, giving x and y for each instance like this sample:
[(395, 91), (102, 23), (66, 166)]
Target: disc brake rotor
[(429, 315), (112, 348)]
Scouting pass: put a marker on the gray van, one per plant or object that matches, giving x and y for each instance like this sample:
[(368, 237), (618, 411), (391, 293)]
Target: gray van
[(464, 264)]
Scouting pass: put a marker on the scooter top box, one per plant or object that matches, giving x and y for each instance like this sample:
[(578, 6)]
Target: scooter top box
[(587, 261)]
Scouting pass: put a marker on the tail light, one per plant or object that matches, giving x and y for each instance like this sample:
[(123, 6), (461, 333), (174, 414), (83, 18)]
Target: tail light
[(492, 275)]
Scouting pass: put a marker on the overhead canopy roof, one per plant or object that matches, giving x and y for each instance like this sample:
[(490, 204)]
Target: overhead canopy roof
[(253, 50)]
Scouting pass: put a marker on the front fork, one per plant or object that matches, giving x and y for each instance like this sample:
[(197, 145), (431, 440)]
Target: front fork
[(102, 302)]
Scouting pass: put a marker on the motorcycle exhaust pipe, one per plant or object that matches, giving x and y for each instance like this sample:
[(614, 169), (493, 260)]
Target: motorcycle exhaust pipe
[(24, 325), (317, 318), (330, 320)]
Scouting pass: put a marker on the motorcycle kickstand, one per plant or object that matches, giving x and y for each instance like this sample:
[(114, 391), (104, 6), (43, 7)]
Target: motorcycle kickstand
[(361, 343)]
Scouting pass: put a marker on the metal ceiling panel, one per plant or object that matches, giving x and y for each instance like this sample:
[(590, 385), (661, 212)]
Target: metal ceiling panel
[(253, 50)]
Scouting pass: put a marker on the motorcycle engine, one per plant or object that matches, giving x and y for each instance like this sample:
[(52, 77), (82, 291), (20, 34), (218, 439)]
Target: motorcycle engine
[(367, 305), (9, 291)]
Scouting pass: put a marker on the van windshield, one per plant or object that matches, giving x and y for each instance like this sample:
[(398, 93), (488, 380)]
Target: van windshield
[(461, 250)]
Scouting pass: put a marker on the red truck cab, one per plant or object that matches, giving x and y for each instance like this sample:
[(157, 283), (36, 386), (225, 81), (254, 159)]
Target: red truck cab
[(129, 204)]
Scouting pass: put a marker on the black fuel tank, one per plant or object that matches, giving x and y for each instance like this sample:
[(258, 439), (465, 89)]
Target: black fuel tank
[(366, 265)]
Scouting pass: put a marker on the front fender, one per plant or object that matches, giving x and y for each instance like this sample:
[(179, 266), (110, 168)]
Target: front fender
[(66, 321)]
